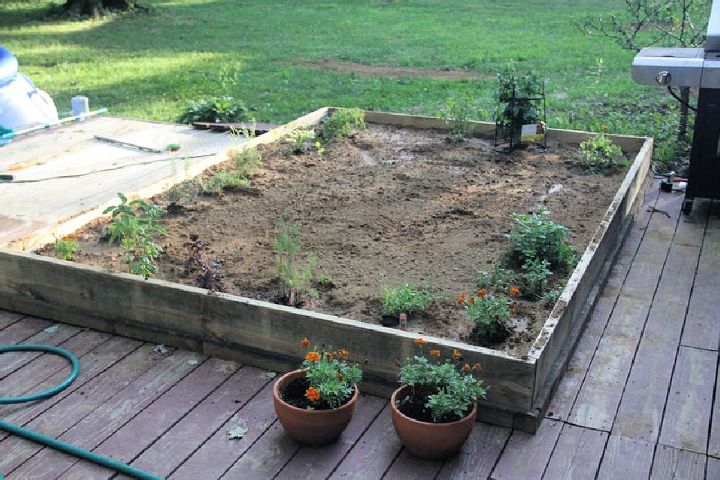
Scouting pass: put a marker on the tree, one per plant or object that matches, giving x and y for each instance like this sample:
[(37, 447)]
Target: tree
[(96, 7), (680, 23)]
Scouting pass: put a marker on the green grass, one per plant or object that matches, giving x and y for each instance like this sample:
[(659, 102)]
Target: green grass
[(152, 66)]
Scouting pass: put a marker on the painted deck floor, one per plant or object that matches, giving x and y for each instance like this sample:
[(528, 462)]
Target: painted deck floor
[(640, 398)]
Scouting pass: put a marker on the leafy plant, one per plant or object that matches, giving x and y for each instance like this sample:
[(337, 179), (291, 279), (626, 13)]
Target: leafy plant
[(488, 312), (210, 276), (341, 123), (600, 155), (296, 279), (405, 299), (223, 180), (499, 279), (217, 110), (134, 226), (551, 297), (456, 113), (535, 277), (300, 139), (246, 160), (65, 248), (446, 390), (319, 148), (518, 103), (534, 236), (331, 377)]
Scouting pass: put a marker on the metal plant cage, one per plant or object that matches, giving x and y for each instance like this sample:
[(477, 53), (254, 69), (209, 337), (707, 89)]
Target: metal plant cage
[(508, 134)]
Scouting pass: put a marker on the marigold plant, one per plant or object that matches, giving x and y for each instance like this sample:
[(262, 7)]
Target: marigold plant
[(331, 377)]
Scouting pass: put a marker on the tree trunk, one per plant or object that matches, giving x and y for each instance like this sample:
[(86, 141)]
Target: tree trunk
[(95, 7), (683, 127)]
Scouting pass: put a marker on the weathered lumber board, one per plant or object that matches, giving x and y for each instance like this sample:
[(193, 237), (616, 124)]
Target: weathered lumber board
[(319, 462), (16, 360), (8, 318), (714, 443), (577, 453), (525, 455), (266, 457), (406, 466), (689, 406), (670, 464), (626, 458), (479, 454), (206, 423)]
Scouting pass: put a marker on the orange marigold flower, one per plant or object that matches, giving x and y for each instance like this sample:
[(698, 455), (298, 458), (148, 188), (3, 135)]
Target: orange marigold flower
[(466, 368), (312, 357), (305, 342), (482, 292), (435, 353), (514, 292), (477, 367), (420, 341), (456, 355), (460, 298), (343, 353), (312, 394), (471, 300)]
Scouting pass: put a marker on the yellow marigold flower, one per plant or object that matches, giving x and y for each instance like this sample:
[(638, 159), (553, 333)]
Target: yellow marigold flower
[(435, 353), (514, 292), (420, 341), (305, 342), (312, 357), (312, 394), (456, 355)]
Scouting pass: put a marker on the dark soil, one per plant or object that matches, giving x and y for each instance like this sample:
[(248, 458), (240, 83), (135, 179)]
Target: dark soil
[(412, 404), (386, 205), (294, 394)]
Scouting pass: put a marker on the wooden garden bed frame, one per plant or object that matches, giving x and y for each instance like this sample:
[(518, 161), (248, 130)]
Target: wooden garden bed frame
[(268, 335)]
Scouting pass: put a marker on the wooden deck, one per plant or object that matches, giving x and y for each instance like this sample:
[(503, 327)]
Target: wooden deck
[(640, 398)]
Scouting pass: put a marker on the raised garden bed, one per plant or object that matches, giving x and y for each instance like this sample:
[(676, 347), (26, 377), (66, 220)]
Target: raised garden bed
[(396, 202)]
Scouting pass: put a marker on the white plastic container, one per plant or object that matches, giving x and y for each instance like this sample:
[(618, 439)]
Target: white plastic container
[(21, 104)]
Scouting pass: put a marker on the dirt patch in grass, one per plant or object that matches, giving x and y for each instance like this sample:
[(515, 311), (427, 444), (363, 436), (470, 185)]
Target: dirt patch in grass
[(392, 72), (388, 205)]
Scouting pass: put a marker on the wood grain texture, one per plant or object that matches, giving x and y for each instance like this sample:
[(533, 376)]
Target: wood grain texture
[(626, 458), (406, 466), (713, 468), (479, 454), (56, 335), (714, 442), (689, 405), (525, 455), (266, 457), (8, 318), (673, 464), (577, 454)]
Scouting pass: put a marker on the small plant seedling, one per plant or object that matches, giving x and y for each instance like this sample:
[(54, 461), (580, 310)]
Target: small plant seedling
[(296, 279), (456, 113), (535, 236), (223, 180), (300, 140), (405, 299), (319, 149), (600, 155), (488, 312), (216, 110), (246, 160), (535, 278), (341, 124), (551, 297), (65, 248)]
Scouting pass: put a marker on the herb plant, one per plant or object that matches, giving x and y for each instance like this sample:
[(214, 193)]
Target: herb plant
[(296, 278), (300, 140), (456, 113), (535, 277), (223, 180), (600, 155), (536, 237), (446, 390), (550, 298), (341, 123), (331, 377), (489, 312), (246, 160), (405, 299), (65, 248), (209, 276), (216, 110)]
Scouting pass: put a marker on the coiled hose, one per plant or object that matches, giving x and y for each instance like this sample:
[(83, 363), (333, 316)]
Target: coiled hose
[(52, 442)]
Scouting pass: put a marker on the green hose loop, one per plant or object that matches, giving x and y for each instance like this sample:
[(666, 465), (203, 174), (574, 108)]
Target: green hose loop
[(52, 442), (45, 393)]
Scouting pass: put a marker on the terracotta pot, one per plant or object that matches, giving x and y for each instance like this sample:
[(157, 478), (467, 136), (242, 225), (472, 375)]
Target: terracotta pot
[(430, 441), (311, 427)]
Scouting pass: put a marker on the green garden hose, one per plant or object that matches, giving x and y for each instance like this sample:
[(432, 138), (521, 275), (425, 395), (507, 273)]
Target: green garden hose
[(52, 442)]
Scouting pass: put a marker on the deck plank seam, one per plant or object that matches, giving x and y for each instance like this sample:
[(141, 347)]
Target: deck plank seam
[(13, 322), (357, 440), (265, 431), (182, 417), (195, 367), (552, 452), (277, 474), (387, 469), (614, 305), (211, 435), (38, 356), (502, 452)]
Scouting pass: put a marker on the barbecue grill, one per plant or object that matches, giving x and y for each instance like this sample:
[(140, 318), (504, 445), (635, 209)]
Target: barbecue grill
[(694, 68)]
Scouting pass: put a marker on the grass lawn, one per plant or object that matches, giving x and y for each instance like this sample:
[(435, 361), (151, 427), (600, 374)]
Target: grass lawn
[(152, 66)]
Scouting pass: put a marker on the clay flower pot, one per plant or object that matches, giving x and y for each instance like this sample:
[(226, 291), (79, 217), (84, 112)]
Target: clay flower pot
[(430, 441), (311, 427)]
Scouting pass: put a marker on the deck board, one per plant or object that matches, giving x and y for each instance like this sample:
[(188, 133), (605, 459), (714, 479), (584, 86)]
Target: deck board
[(644, 378)]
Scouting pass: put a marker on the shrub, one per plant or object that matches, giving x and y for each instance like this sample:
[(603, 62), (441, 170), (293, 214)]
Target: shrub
[(296, 279), (65, 248), (300, 140), (330, 376), (217, 110), (600, 155), (456, 113), (405, 299), (536, 237), (517, 101), (341, 123), (448, 390), (488, 312)]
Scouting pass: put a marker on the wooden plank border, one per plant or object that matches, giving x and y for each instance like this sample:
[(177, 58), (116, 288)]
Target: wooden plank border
[(267, 335)]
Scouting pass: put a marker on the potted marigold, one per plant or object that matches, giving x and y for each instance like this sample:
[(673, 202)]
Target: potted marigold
[(434, 409), (315, 403)]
